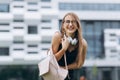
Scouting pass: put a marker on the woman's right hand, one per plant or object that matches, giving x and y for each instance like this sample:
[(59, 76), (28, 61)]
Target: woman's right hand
[(65, 43)]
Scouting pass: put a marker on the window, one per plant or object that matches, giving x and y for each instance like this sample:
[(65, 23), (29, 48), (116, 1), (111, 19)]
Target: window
[(119, 40), (46, 7), (45, 0), (118, 72), (18, 42), (33, 46), (89, 6), (4, 31), (32, 7), (4, 24), (18, 27), (18, 0), (33, 10), (90, 28), (32, 29), (32, 3), (46, 21), (32, 52), (112, 34), (45, 42), (18, 20), (45, 48), (4, 7), (4, 27), (113, 50), (18, 6), (46, 39), (18, 49), (45, 27), (98, 29), (4, 51), (107, 75)]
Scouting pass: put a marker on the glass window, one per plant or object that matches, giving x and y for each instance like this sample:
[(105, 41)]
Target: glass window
[(106, 24), (115, 24), (32, 29), (92, 31), (33, 46), (4, 31), (45, 0), (33, 52), (18, 0), (45, 48), (4, 24), (91, 45), (33, 10), (118, 72), (90, 6), (32, 3), (46, 21), (4, 51), (60, 24), (45, 27), (18, 20), (113, 50), (4, 7), (83, 28), (18, 49), (98, 46), (98, 28), (89, 28), (18, 27), (18, 42), (119, 41), (45, 42), (46, 7), (107, 75), (112, 34), (16, 6)]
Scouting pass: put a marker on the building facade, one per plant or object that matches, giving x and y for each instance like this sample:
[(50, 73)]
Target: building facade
[(27, 26)]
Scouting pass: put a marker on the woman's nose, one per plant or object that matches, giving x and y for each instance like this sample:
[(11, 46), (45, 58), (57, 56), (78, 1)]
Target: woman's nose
[(70, 24)]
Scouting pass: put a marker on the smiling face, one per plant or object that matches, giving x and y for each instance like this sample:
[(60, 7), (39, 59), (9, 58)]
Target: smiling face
[(72, 28), (70, 25)]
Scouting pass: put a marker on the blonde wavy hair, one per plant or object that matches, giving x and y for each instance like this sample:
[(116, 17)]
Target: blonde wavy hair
[(78, 33)]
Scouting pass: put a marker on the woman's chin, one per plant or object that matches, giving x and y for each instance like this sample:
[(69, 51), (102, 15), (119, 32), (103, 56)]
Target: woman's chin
[(70, 32)]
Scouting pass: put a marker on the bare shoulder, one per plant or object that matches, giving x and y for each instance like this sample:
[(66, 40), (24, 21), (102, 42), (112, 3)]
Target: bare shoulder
[(56, 39), (57, 35), (84, 43)]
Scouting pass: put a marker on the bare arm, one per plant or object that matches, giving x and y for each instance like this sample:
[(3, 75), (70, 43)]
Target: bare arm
[(56, 41)]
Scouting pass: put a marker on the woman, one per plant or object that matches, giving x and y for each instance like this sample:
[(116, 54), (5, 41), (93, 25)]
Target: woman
[(75, 49)]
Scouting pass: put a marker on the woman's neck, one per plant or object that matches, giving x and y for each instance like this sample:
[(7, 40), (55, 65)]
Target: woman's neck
[(71, 35)]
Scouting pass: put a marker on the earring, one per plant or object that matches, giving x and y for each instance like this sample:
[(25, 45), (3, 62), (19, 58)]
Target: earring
[(72, 41)]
